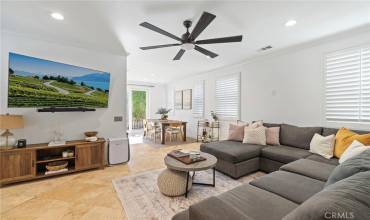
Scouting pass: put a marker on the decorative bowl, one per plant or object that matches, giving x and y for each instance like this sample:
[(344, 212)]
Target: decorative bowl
[(91, 133)]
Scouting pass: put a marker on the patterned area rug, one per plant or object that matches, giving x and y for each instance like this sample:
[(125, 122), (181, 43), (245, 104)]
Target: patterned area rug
[(141, 199)]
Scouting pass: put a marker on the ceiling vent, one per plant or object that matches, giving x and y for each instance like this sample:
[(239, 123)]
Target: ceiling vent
[(266, 48)]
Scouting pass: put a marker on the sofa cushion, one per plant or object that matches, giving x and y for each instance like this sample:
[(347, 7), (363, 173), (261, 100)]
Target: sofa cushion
[(284, 154), (268, 166), (310, 168), (232, 151), (353, 150), (350, 167), (236, 132), (291, 186), (315, 157), (345, 137), (297, 136), (323, 145), (253, 201), (272, 135), (255, 135), (330, 131), (349, 198), (216, 209)]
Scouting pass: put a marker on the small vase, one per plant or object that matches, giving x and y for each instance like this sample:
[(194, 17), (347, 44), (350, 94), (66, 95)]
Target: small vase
[(164, 117)]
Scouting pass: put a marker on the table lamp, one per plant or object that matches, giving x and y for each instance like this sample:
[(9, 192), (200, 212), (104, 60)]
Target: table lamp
[(9, 122)]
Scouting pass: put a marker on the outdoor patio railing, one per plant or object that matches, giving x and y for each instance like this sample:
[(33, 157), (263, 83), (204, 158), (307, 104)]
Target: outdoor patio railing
[(137, 124)]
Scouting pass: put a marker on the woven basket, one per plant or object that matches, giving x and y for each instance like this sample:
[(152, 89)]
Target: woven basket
[(55, 166)]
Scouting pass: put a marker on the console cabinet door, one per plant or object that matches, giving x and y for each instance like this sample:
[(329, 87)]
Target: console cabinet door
[(88, 156), (17, 165)]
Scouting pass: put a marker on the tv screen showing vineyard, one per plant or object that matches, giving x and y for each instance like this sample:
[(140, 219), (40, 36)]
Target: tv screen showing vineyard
[(35, 82)]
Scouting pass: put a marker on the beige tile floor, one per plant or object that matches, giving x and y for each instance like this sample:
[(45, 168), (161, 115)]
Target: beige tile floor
[(84, 195)]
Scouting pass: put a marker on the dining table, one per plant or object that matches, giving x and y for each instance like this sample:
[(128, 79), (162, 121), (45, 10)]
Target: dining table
[(167, 123)]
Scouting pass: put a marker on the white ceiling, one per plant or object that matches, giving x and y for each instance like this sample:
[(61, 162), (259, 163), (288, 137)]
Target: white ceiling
[(114, 27)]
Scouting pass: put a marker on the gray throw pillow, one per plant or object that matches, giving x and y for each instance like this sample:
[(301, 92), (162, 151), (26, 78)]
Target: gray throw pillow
[(346, 199), (299, 137), (350, 167)]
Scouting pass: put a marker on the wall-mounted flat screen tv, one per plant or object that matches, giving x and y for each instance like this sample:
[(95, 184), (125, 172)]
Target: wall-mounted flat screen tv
[(35, 82)]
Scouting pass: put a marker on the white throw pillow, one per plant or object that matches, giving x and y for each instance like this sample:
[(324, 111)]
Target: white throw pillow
[(255, 135), (353, 150), (323, 146), (256, 124)]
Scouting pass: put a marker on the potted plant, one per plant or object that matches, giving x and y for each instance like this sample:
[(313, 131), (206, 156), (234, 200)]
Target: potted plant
[(163, 112), (215, 122), (214, 116)]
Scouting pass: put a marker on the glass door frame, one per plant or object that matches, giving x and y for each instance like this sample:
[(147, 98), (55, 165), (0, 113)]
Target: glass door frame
[(129, 106)]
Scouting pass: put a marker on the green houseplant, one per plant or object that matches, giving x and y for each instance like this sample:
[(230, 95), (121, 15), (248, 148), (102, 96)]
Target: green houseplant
[(214, 116), (163, 112)]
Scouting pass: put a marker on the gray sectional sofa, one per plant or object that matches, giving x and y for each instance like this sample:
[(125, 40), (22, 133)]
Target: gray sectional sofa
[(297, 186), (237, 159)]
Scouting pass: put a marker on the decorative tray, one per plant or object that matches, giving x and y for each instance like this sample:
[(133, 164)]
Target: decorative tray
[(187, 159)]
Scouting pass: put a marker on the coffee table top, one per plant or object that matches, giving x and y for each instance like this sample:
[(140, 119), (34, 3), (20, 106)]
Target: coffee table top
[(174, 164)]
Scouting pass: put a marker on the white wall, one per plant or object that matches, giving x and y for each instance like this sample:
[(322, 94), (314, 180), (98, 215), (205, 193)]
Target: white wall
[(40, 126), (209, 88), (158, 99), (285, 86)]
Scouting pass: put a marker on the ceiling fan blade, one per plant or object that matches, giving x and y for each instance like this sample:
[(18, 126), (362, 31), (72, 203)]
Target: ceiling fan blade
[(159, 46), (179, 54), (158, 30), (221, 40), (205, 52), (203, 22)]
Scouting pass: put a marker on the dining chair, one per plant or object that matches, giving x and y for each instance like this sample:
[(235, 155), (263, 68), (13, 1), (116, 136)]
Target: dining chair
[(145, 127), (174, 130), (153, 130)]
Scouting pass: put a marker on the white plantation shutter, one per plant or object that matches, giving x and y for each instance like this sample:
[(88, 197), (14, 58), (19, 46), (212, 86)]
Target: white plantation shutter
[(365, 84), (198, 100), (228, 97), (347, 85)]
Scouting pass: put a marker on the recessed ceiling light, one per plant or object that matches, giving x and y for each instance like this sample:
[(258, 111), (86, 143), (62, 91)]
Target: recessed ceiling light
[(290, 23), (57, 16)]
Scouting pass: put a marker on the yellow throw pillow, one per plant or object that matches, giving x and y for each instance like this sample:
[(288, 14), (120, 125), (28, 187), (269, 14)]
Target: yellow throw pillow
[(345, 137)]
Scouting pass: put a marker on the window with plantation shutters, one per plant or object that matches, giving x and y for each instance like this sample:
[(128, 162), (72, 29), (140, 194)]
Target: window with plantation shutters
[(198, 100), (228, 97), (347, 85)]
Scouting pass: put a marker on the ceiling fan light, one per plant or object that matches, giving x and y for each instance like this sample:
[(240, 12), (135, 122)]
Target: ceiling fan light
[(290, 23), (187, 46), (57, 16)]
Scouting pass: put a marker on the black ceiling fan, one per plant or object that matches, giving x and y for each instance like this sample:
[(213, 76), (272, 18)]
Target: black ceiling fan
[(188, 40)]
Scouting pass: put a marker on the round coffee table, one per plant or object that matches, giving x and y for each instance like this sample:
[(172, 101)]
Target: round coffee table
[(175, 165)]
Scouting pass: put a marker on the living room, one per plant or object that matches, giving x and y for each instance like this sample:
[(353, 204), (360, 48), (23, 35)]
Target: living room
[(193, 110)]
